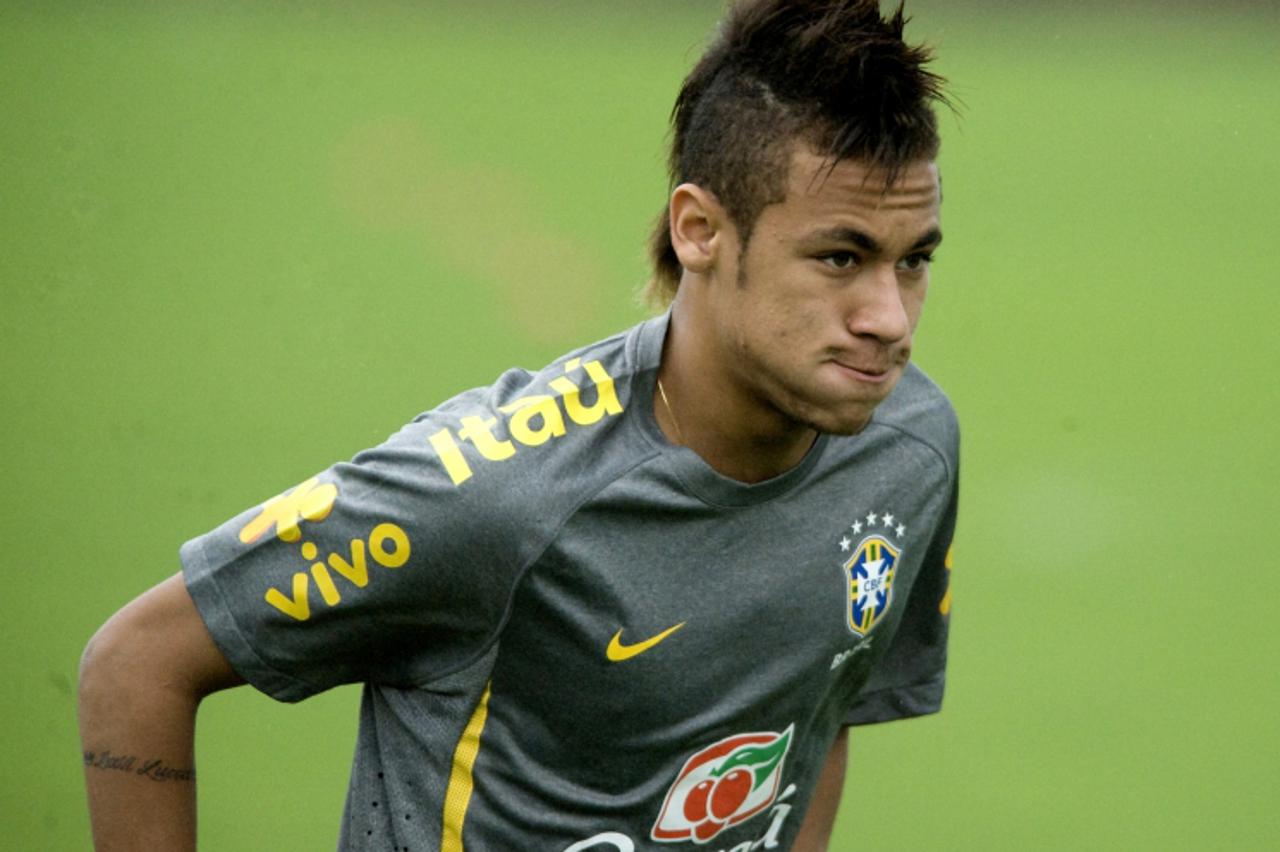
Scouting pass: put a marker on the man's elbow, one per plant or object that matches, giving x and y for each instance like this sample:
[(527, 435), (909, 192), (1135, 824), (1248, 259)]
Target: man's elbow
[(122, 662), (156, 646)]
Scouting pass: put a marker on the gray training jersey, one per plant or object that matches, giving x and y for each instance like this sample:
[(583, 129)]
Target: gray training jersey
[(574, 635)]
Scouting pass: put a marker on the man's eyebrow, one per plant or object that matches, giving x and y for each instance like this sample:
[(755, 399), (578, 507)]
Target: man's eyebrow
[(864, 241), (860, 239), (931, 237)]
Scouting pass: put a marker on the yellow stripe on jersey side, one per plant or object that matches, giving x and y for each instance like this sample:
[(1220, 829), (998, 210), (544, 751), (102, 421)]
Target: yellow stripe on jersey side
[(458, 796), (945, 606)]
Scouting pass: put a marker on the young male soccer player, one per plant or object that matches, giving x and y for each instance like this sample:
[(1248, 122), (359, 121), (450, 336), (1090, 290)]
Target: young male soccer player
[(635, 599)]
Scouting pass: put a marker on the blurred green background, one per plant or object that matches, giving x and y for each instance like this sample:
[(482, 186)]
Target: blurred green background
[(240, 241)]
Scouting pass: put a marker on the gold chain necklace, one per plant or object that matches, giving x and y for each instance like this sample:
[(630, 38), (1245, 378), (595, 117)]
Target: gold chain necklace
[(674, 422)]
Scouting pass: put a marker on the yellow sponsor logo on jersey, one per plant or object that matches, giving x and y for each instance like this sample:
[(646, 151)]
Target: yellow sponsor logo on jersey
[(388, 546), (531, 422), (617, 652), (309, 501)]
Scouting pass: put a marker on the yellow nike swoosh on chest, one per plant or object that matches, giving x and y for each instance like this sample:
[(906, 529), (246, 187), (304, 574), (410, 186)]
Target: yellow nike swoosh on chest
[(617, 652)]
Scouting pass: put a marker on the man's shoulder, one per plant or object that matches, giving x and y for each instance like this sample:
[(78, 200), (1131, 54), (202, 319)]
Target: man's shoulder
[(558, 430), (920, 409)]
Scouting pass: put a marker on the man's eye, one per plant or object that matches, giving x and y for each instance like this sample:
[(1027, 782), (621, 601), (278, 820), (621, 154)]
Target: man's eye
[(841, 259), (916, 262)]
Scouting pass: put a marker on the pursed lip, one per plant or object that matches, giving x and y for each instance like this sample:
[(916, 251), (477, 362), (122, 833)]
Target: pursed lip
[(870, 373)]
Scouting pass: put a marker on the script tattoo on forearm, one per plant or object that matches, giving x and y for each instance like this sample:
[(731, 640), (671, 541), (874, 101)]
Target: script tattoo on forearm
[(153, 768)]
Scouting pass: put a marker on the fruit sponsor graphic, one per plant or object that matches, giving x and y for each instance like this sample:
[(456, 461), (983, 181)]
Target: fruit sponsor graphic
[(723, 785)]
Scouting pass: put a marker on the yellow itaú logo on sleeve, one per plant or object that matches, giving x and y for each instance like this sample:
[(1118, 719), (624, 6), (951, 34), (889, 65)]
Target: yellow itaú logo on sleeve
[(531, 422), (617, 652)]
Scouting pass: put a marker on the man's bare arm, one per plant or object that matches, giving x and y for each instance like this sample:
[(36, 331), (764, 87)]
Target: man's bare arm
[(141, 678), (815, 832)]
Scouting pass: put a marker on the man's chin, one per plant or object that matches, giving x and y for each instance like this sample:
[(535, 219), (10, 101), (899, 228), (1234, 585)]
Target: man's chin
[(842, 427), (839, 422), (834, 413)]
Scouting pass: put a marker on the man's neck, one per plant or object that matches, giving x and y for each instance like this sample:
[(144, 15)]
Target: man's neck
[(698, 405)]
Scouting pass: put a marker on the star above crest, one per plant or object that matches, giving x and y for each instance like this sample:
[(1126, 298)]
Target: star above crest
[(870, 523)]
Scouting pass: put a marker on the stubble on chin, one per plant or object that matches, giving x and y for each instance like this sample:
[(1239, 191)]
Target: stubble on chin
[(838, 426), (799, 403), (848, 419), (825, 420)]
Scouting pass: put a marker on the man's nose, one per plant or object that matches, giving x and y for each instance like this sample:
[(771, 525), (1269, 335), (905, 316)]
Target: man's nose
[(878, 309)]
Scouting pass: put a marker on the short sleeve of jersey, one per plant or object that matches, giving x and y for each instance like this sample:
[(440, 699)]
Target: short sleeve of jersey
[(380, 569), (909, 679)]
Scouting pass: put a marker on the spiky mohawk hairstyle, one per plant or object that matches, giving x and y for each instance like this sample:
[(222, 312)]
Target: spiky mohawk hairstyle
[(833, 74)]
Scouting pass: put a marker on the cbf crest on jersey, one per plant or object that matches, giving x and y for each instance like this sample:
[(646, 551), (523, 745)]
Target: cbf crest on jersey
[(871, 569)]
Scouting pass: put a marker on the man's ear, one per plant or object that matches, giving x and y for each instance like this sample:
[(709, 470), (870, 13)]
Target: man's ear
[(698, 225)]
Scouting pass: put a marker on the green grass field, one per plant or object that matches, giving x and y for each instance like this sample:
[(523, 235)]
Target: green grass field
[(239, 243)]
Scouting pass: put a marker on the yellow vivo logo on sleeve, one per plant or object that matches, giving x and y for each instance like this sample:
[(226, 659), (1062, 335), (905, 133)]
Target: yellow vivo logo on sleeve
[(532, 421), (387, 544)]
